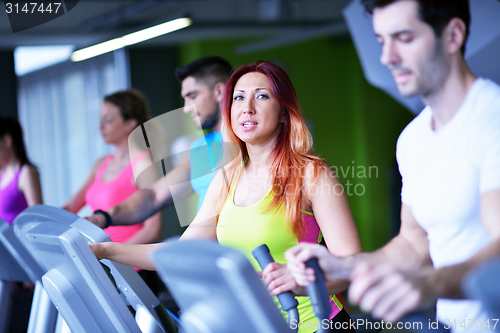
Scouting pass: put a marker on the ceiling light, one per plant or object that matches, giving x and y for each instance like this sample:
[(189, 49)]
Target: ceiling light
[(133, 38), (31, 58)]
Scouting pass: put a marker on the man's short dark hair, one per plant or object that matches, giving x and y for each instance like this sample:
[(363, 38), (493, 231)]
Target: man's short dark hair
[(207, 70), (436, 13)]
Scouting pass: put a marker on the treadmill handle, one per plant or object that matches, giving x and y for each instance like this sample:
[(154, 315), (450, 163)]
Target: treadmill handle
[(164, 318), (287, 300)]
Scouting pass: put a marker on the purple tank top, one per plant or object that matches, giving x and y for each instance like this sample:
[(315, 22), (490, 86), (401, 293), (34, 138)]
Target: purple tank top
[(12, 202)]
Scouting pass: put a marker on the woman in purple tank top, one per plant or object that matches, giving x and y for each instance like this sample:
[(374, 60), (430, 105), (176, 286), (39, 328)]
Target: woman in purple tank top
[(19, 179)]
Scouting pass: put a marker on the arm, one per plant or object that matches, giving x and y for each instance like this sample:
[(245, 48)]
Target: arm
[(138, 255), (336, 222), (388, 282), (204, 225), (150, 231), (144, 203), (393, 294), (151, 228), (408, 251), (29, 185), (77, 201), (447, 280), (382, 282)]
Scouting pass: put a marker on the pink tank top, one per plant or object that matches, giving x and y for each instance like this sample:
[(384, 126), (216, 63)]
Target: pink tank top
[(12, 201), (104, 195)]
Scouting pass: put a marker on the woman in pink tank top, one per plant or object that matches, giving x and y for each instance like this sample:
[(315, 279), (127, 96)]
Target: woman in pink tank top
[(19, 180), (111, 180)]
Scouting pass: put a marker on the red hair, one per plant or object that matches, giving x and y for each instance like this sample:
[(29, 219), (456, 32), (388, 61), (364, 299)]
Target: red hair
[(293, 151)]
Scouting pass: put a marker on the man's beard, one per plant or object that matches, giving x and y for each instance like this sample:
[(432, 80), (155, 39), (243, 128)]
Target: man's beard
[(432, 73), (435, 73), (211, 120)]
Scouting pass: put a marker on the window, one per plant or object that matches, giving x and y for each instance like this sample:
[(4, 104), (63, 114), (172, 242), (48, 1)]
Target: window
[(59, 110)]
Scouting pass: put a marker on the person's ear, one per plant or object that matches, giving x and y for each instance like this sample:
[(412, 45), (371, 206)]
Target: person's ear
[(454, 35), (7, 139), (219, 89), (131, 124)]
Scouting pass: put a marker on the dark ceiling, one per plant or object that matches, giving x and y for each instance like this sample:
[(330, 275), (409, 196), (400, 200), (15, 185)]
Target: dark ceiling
[(93, 21)]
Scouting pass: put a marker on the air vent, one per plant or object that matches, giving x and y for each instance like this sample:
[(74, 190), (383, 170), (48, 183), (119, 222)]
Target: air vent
[(52, 248)]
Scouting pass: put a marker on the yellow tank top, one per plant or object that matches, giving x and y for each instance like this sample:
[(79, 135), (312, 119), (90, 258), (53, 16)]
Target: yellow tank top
[(245, 228)]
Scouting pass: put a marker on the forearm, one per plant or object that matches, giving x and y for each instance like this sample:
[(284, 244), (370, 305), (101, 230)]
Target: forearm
[(336, 287), (402, 254), (397, 252), (136, 255), (72, 207), (447, 281), (149, 233), (75, 203), (138, 207)]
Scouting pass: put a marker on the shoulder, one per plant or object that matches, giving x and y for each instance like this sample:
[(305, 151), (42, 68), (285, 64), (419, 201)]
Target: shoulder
[(482, 126), (216, 187), (28, 172), (413, 131), (215, 137), (414, 127), (486, 104), (318, 171), (140, 161), (28, 177), (100, 161), (98, 164), (207, 138), (486, 91), (198, 142), (220, 179)]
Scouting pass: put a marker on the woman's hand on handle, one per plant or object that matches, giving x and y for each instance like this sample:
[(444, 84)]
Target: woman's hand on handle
[(136, 255), (333, 268), (279, 279), (98, 250)]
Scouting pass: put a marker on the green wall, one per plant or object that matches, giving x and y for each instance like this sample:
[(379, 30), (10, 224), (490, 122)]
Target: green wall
[(151, 71), (353, 123)]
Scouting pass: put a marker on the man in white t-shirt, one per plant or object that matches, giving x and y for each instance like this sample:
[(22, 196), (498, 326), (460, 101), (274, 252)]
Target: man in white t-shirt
[(449, 159)]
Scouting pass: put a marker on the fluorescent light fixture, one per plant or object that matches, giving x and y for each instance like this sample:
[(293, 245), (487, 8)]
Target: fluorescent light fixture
[(98, 49), (133, 38), (31, 58)]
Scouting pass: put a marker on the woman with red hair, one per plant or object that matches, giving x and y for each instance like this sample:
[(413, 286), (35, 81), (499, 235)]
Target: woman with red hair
[(275, 190)]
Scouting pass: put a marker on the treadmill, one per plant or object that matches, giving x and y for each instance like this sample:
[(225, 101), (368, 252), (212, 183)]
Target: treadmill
[(75, 280)]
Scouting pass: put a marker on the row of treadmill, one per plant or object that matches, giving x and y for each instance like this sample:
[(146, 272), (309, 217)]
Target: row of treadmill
[(215, 287)]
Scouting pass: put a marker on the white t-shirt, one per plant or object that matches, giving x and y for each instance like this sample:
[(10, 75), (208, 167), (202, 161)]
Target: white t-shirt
[(444, 174)]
